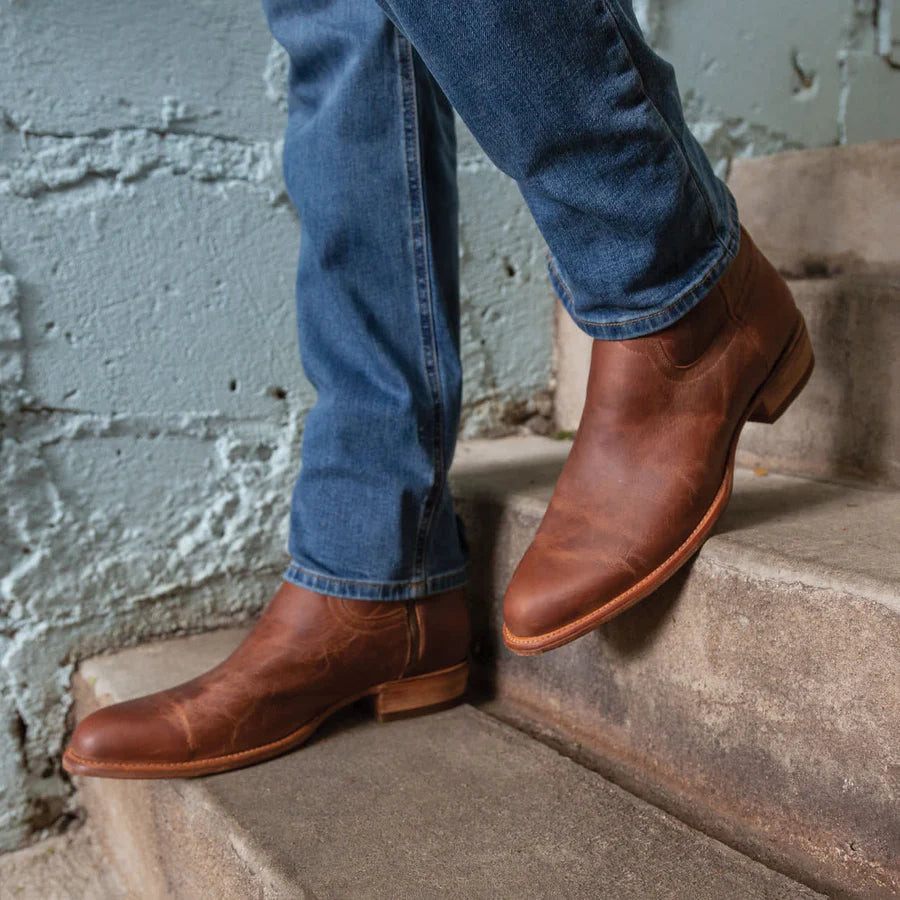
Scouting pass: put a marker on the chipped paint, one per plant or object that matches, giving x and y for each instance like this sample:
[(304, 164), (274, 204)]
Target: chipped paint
[(55, 163), (727, 137)]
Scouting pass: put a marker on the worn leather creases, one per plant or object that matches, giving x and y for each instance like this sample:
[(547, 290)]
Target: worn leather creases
[(644, 480), (308, 655)]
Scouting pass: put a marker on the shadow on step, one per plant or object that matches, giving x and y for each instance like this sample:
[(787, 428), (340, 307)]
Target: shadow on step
[(496, 541), (765, 500), (501, 478)]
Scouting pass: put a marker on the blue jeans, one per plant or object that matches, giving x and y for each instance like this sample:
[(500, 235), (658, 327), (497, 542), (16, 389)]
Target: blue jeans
[(565, 97)]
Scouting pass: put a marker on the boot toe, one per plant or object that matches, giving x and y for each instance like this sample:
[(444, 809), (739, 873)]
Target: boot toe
[(125, 734), (527, 609), (541, 599), (548, 594)]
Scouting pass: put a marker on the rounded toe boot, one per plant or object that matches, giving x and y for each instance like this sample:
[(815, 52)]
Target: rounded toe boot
[(308, 656), (651, 467)]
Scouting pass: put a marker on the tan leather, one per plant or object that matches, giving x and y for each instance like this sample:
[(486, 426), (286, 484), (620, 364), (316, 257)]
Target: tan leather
[(650, 467), (308, 655)]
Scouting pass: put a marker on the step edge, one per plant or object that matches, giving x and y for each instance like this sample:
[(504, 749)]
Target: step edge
[(251, 852), (722, 550)]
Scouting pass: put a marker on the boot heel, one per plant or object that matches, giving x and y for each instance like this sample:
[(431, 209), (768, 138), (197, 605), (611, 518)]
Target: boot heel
[(788, 378), (421, 694)]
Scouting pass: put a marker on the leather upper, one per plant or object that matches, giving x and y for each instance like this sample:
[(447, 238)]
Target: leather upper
[(307, 653), (660, 419)]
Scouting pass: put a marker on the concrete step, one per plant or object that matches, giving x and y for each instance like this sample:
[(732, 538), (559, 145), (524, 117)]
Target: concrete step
[(62, 867), (451, 805), (756, 696), (829, 220), (846, 423)]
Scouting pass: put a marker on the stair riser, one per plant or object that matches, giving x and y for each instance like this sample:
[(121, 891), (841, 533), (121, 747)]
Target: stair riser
[(164, 847), (845, 424), (759, 711), (826, 211)]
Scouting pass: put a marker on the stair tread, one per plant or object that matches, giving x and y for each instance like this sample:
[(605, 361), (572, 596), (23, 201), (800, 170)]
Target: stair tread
[(754, 695), (453, 804), (780, 527)]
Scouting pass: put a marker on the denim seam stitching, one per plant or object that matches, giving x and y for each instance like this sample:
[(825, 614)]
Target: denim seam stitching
[(727, 249), (709, 210), (418, 223)]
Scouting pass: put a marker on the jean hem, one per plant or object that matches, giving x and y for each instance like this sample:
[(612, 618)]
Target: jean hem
[(651, 322), (349, 589)]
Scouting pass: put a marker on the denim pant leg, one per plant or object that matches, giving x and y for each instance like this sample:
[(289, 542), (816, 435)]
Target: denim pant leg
[(370, 164), (567, 98)]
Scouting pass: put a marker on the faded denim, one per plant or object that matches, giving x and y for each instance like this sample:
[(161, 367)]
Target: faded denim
[(566, 98)]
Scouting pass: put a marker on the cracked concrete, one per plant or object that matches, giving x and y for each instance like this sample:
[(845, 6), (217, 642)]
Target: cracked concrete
[(151, 402)]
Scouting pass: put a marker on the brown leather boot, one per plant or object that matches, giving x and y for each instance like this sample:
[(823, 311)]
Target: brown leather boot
[(308, 656), (650, 470)]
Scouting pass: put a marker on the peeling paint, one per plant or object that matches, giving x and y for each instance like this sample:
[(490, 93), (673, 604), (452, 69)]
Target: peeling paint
[(275, 75), (843, 97), (887, 32), (725, 138), (11, 363), (56, 163)]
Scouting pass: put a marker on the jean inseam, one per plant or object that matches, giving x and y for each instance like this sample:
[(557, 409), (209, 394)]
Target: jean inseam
[(423, 279)]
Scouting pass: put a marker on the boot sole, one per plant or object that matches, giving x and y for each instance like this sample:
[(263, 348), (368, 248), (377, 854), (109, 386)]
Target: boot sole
[(786, 380), (418, 695)]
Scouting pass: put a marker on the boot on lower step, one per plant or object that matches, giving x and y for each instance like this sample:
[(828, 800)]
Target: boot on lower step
[(308, 656)]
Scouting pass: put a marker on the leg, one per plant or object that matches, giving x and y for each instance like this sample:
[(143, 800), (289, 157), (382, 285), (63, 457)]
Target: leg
[(695, 331), (568, 99), (370, 165), (373, 604)]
